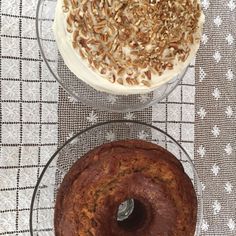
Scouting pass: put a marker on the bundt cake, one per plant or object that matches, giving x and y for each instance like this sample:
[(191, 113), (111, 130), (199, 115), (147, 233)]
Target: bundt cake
[(164, 200)]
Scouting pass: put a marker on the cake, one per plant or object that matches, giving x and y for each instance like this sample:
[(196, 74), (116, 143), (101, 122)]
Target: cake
[(127, 47), (90, 194)]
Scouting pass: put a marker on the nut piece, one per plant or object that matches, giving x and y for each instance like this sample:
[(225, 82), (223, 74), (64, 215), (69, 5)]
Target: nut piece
[(131, 81), (148, 74)]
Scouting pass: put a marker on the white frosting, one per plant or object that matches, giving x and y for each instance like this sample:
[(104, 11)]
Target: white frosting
[(81, 69)]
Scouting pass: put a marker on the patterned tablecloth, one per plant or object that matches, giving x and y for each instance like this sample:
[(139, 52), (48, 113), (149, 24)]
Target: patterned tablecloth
[(36, 115)]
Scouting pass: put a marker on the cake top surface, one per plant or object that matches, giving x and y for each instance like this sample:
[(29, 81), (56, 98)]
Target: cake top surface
[(134, 42)]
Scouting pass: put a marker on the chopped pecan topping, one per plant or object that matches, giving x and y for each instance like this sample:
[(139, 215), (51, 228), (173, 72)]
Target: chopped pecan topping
[(129, 41)]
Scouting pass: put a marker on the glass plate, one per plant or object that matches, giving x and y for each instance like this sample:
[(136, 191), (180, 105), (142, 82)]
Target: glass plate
[(43, 200)]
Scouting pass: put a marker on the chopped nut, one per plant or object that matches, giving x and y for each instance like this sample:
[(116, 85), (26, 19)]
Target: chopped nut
[(146, 83), (65, 8), (131, 81), (120, 81), (169, 65), (103, 71), (148, 74), (112, 78)]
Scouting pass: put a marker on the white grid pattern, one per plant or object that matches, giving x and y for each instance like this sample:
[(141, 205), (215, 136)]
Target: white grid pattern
[(176, 114), (28, 114)]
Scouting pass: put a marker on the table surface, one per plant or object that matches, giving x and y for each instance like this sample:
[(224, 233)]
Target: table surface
[(37, 116)]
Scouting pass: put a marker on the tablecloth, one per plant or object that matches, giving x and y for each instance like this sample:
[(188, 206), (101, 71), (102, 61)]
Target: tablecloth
[(37, 116)]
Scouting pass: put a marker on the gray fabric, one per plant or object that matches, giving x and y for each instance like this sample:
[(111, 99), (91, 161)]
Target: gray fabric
[(216, 96), (74, 116)]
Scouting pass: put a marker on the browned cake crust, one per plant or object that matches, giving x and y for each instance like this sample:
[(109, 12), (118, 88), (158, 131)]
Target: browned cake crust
[(91, 192)]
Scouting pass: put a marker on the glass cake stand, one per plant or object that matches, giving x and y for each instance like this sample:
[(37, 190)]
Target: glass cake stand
[(43, 200), (77, 89)]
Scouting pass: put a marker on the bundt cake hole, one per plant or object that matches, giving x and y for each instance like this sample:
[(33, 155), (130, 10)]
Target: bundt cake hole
[(134, 215)]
